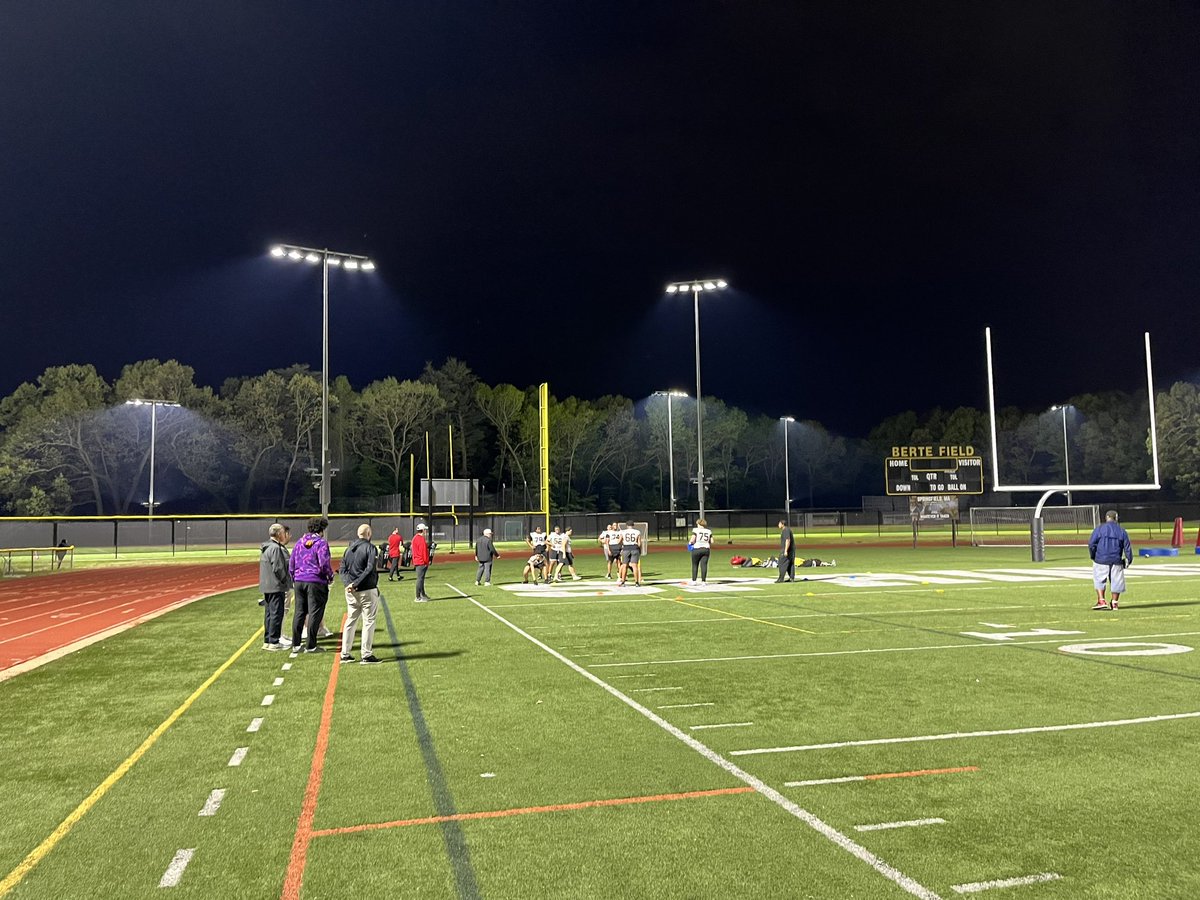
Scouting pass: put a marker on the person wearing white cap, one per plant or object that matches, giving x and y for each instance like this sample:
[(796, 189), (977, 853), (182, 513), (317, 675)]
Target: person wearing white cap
[(485, 552), (420, 561)]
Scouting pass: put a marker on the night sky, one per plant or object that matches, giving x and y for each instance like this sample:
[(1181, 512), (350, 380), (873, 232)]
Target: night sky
[(876, 181)]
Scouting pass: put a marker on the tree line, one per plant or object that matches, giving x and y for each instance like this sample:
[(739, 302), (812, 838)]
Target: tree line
[(70, 444)]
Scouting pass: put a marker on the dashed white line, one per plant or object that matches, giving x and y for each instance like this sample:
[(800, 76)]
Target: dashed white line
[(213, 803), (238, 755), (911, 823), (684, 705), (255, 724), (278, 682), (977, 886), (268, 700), (175, 869), (653, 690), (721, 725), (287, 667)]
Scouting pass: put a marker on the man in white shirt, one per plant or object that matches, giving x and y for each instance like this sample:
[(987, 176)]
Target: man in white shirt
[(610, 540), (701, 548)]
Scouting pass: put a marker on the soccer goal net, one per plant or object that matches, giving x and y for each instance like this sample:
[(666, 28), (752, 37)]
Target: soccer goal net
[(1009, 526)]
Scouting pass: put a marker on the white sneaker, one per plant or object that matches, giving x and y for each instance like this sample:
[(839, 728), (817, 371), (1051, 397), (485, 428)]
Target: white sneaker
[(577, 578), (285, 642), (487, 584), (324, 632)]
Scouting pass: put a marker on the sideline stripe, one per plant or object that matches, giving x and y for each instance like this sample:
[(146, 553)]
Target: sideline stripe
[(1037, 729), (175, 869), (13, 878), (527, 810), (812, 821), (911, 823), (977, 886), (213, 803), (846, 779), (308, 809), (725, 612)]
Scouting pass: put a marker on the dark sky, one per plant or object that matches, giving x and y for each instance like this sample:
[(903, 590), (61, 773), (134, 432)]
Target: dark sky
[(877, 182)]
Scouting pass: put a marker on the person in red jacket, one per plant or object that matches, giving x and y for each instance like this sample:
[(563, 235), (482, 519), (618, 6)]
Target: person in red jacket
[(420, 560), (395, 548)]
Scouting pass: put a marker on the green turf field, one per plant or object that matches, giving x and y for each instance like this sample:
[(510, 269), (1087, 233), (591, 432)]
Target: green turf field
[(1010, 750)]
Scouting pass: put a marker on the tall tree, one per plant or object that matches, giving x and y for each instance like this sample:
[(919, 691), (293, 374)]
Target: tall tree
[(389, 419)]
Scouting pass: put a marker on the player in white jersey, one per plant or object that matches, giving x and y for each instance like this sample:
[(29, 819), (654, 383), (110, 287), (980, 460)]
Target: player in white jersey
[(631, 553), (555, 541), (701, 548), (610, 540), (566, 557), (537, 540)]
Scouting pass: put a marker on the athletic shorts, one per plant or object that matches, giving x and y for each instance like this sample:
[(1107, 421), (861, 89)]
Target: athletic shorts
[(612, 552), (631, 554), (1104, 572), (568, 558), (555, 556)]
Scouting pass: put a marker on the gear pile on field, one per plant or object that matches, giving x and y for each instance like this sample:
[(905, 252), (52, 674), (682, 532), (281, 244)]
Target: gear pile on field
[(753, 562)]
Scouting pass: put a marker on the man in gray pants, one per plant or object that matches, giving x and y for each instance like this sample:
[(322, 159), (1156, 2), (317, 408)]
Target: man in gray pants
[(359, 574), (485, 552), (274, 582)]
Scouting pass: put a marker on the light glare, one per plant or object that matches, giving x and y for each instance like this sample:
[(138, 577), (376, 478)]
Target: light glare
[(350, 264), (277, 251), (295, 254)]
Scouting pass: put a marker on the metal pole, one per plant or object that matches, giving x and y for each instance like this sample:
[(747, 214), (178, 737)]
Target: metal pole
[(153, 435), (1066, 453), (699, 410), (671, 458), (787, 477), (325, 486)]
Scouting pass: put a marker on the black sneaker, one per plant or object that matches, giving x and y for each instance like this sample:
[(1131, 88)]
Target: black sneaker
[(369, 659), (346, 657)]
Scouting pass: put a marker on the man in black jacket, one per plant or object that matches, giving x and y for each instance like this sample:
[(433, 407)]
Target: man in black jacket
[(274, 582), (485, 553), (362, 594)]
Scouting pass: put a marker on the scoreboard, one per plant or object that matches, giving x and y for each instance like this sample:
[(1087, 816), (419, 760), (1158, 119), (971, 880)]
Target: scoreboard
[(933, 472)]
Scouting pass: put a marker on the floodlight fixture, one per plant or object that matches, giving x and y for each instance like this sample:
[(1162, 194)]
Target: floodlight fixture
[(670, 447), (154, 405), (277, 251)]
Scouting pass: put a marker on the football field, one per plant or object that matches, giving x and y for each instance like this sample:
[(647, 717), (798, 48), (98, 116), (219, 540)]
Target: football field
[(928, 723)]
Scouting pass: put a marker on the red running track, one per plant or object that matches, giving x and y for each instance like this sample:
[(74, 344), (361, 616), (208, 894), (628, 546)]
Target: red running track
[(45, 617)]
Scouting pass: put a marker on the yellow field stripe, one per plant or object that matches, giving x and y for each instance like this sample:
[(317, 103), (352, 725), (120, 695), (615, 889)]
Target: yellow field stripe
[(13, 878), (726, 612)]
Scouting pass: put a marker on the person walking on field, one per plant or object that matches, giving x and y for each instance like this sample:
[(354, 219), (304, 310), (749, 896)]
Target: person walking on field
[(485, 552), (787, 554), (631, 554), (274, 582), (421, 560), (362, 595), (395, 549), (566, 558), (312, 573), (701, 548), (1112, 553)]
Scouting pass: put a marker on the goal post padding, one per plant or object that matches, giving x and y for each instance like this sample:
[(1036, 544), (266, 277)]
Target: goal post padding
[(1009, 526)]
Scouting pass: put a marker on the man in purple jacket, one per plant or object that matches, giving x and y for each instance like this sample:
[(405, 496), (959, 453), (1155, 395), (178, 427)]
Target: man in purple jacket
[(312, 573)]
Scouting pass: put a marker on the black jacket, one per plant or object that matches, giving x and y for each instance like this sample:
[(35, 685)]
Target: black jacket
[(358, 566)]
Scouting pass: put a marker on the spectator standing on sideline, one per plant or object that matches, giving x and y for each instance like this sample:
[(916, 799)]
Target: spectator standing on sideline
[(787, 554), (273, 581), (359, 574), (421, 560), (485, 552), (395, 551), (312, 573), (1111, 552), (701, 549)]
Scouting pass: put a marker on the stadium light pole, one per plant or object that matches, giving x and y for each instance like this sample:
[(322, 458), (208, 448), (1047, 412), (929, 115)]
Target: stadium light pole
[(787, 476), (154, 405), (697, 287), (326, 258), (1066, 452), (670, 447)]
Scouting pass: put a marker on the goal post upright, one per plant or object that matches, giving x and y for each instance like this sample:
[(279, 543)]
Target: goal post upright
[(544, 450)]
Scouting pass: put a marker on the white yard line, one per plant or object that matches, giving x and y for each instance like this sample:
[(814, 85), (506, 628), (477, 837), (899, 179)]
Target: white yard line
[(213, 803), (684, 705), (175, 869), (654, 690), (255, 724), (828, 831), (720, 725), (238, 755), (646, 675), (605, 601), (977, 886), (1037, 729), (911, 823)]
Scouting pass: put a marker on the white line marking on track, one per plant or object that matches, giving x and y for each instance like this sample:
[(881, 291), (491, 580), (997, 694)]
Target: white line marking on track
[(977, 886), (821, 827), (238, 755), (255, 724), (277, 682), (1037, 729), (175, 869), (213, 803), (911, 823), (721, 725), (684, 705), (268, 700), (653, 690)]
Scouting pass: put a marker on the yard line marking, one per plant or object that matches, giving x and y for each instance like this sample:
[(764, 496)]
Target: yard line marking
[(238, 756), (725, 612), (997, 625), (812, 821), (255, 724), (287, 667), (175, 869), (721, 725), (605, 601), (977, 886), (523, 811), (647, 675), (268, 700), (683, 705), (213, 803), (653, 690), (278, 682), (979, 645), (880, 776), (911, 823), (308, 809), (1037, 729), (13, 878)]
